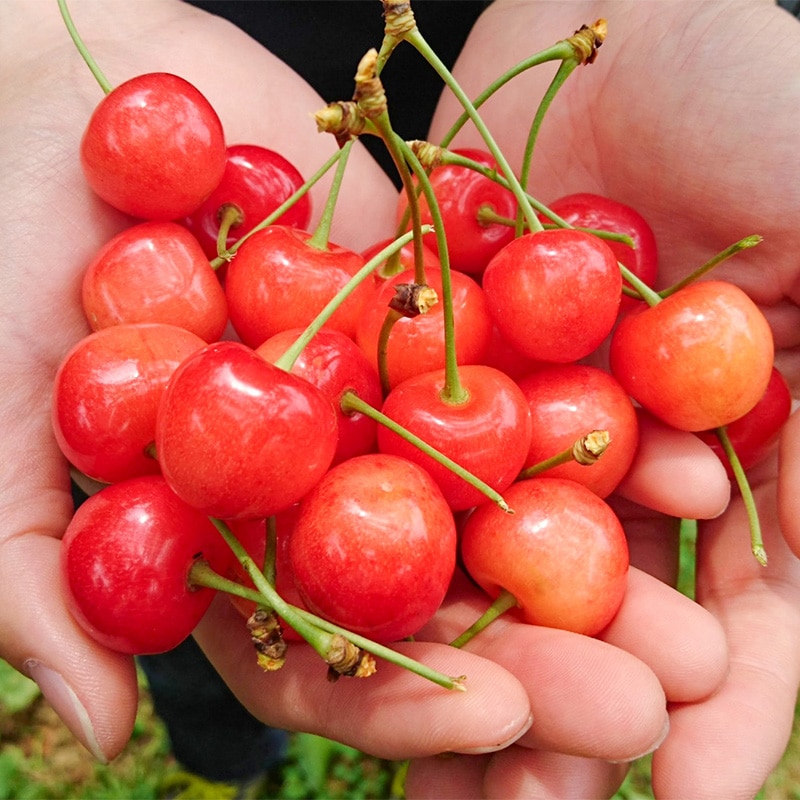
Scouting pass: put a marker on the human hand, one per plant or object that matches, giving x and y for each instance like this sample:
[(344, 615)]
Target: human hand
[(688, 115)]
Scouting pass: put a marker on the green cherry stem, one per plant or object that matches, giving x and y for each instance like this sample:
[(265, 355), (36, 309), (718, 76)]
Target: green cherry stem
[(584, 451), (286, 361), (322, 234), (202, 575), (351, 403), (502, 603), (228, 254), (756, 540), (101, 79), (732, 250), (415, 38)]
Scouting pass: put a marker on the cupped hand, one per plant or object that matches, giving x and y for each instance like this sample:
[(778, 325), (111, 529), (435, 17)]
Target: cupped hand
[(688, 115)]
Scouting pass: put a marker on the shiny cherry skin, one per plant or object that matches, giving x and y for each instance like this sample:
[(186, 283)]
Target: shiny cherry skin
[(237, 437), (754, 434), (461, 193), (587, 210), (154, 147), (154, 272), (567, 401), (699, 359), (416, 345), (125, 561), (278, 281), (374, 547), (256, 181), (489, 434), (106, 395), (562, 554), (554, 295), (335, 364)]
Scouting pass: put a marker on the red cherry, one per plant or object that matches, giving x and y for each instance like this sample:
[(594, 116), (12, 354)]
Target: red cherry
[(753, 434), (335, 364), (489, 434), (106, 395), (278, 281), (416, 345), (374, 547), (256, 181), (461, 193), (567, 402), (586, 210), (238, 437), (125, 561), (699, 359), (554, 295), (154, 272), (562, 554), (154, 147)]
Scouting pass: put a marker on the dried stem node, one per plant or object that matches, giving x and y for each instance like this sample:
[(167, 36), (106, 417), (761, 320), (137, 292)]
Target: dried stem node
[(413, 299), (587, 450), (587, 40)]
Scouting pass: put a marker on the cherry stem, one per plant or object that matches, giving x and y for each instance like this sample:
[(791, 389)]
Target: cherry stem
[(286, 361), (279, 211), (201, 574), (502, 603), (415, 38), (351, 403), (322, 234), (584, 451), (488, 216), (392, 316), (230, 215), (101, 79), (270, 550), (736, 247), (565, 69), (319, 633), (756, 541)]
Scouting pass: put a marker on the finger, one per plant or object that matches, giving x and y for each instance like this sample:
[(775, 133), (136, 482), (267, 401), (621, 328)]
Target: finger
[(678, 639), (588, 698), (93, 690), (675, 473), (788, 481), (392, 714), (521, 773), (726, 746), (446, 777)]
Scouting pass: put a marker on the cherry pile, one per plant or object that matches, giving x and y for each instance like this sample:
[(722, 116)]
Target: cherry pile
[(323, 434)]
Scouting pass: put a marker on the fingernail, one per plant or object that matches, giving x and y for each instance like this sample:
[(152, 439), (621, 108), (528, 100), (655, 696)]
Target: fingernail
[(493, 748), (67, 705), (659, 741)]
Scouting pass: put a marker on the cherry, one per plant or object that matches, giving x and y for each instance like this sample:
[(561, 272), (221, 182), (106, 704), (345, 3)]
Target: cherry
[(335, 364), (256, 182), (106, 395), (554, 295), (154, 272), (416, 345), (487, 434), (279, 280), (699, 359), (125, 561), (374, 547), (568, 401), (238, 437), (753, 434), (461, 193), (154, 147), (587, 210), (562, 554)]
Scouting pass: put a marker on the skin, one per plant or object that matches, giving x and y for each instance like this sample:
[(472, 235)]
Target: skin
[(722, 668)]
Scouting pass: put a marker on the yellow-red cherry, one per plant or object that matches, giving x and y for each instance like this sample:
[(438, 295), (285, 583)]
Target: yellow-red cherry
[(699, 359)]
